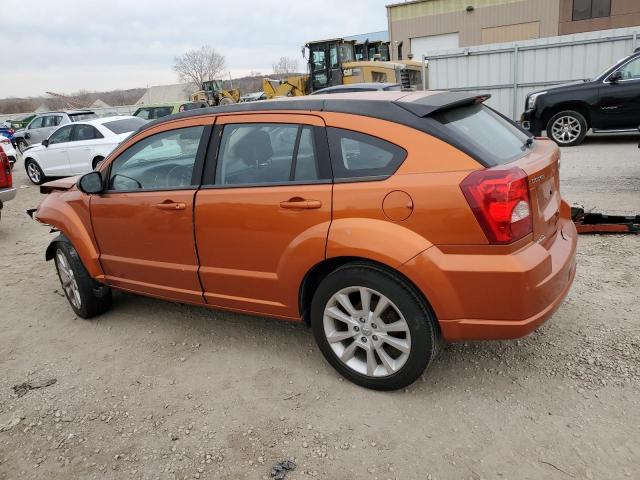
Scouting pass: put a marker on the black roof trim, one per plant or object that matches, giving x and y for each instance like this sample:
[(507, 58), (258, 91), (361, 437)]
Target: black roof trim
[(414, 114)]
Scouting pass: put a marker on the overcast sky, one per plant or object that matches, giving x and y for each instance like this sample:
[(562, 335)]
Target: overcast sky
[(68, 45)]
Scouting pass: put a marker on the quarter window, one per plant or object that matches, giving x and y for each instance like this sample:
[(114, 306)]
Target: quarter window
[(159, 162), (62, 135), (355, 155), (261, 153)]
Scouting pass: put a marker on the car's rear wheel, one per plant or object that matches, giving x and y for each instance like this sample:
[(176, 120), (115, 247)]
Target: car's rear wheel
[(96, 162), (372, 327), (567, 128), (34, 172), (21, 145), (86, 296)]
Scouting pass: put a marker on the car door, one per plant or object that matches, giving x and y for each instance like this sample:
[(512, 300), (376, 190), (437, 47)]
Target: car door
[(33, 131), (81, 148), (54, 158), (263, 213), (619, 103), (143, 222)]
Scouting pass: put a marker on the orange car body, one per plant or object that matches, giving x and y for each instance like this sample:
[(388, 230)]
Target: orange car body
[(256, 249)]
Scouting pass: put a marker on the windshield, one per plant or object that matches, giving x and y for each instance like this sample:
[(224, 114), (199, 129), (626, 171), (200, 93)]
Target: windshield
[(609, 68), (125, 125), (499, 140)]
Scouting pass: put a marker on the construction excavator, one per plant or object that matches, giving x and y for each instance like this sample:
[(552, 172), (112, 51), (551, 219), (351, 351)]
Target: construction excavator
[(332, 62), (211, 91)]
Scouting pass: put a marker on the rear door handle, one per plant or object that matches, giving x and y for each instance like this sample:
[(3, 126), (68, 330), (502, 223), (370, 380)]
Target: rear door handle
[(301, 204), (170, 206)]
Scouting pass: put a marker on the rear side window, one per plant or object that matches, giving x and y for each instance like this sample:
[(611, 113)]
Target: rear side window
[(85, 132), (266, 153), (356, 155), (125, 125), (52, 120), (497, 139)]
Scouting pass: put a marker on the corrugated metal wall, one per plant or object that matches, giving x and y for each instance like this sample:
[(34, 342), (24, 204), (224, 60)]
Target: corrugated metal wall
[(537, 63)]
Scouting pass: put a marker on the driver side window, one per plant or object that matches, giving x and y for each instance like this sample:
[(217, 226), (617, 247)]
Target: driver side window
[(159, 162), (61, 135), (36, 123), (631, 70)]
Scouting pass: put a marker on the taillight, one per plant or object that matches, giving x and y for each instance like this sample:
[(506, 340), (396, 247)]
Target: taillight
[(499, 199), (5, 165)]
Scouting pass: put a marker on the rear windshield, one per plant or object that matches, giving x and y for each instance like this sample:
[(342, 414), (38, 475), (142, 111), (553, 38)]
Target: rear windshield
[(498, 140), (125, 125), (79, 117)]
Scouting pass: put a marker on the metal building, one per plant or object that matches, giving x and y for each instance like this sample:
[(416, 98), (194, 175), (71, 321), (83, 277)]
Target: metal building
[(423, 26)]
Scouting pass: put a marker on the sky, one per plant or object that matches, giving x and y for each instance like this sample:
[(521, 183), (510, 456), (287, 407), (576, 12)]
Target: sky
[(69, 45)]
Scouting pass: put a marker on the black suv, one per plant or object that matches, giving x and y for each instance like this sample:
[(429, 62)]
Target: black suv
[(608, 103)]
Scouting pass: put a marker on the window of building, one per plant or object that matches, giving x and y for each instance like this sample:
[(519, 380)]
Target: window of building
[(586, 9)]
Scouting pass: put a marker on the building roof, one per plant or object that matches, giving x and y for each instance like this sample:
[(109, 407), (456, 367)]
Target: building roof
[(166, 93), (100, 104), (381, 36)]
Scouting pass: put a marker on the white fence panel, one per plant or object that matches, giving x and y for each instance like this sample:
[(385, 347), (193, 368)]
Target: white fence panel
[(509, 71)]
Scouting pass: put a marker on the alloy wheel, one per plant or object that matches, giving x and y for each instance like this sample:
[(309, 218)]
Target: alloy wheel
[(33, 172), (68, 280), (566, 129), (367, 332)]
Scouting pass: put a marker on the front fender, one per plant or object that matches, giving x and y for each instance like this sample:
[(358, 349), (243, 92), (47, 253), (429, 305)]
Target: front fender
[(385, 242), (68, 211)]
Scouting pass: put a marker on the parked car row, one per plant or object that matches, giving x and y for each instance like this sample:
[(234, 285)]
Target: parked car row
[(78, 147)]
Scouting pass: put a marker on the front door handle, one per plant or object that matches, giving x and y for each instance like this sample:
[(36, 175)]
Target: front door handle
[(301, 204), (170, 206)]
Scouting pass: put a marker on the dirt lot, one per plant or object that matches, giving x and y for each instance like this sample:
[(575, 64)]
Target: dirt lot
[(161, 390)]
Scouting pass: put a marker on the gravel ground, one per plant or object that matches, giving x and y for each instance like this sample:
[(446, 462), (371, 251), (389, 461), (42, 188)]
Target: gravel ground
[(161, 390)]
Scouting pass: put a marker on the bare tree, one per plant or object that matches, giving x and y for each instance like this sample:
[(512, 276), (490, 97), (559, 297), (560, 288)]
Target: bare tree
[(285, 65), (199, 65)]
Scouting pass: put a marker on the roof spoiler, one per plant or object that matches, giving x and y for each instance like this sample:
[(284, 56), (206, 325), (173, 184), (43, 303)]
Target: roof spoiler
[(438, 102)]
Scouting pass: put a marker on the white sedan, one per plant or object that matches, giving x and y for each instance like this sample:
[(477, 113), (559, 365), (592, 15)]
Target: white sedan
[(77, 148)]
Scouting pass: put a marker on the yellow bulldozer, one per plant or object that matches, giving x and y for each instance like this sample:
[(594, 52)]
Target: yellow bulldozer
[(332, 62), (212, 92)]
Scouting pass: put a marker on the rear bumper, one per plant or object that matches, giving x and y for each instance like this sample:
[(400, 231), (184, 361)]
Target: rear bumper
[(485, 297), (7, 194)]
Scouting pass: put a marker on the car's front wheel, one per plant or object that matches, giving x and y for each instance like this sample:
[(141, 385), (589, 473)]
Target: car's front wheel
[(22, 145), (86, 297), (567, 128), (372, 327), (34, 172)]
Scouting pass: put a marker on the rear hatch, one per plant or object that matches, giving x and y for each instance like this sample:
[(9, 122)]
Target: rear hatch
[(500, 145), (542, 169)]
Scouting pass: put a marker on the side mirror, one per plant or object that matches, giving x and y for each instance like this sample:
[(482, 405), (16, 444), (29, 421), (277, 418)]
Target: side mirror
[(90, 183), (45, 142), (615, 76), (27, 135)]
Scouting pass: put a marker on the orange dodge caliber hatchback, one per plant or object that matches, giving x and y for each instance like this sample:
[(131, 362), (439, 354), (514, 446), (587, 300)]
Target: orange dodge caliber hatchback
[(389, 222)]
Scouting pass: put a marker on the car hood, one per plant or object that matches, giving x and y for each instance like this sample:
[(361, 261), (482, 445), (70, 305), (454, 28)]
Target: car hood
[(36, 147), (563, 86), (59, 184)]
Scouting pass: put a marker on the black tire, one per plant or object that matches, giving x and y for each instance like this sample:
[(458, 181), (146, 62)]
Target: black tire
[(576, 124), (93, 297), (34, 172), (96, 162), (21, 144), (425, 338)]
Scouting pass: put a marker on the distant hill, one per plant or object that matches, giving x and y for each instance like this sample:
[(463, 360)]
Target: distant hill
[(248, 84)]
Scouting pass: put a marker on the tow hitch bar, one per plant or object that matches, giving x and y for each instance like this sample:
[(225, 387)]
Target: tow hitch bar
[(591, 222)]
